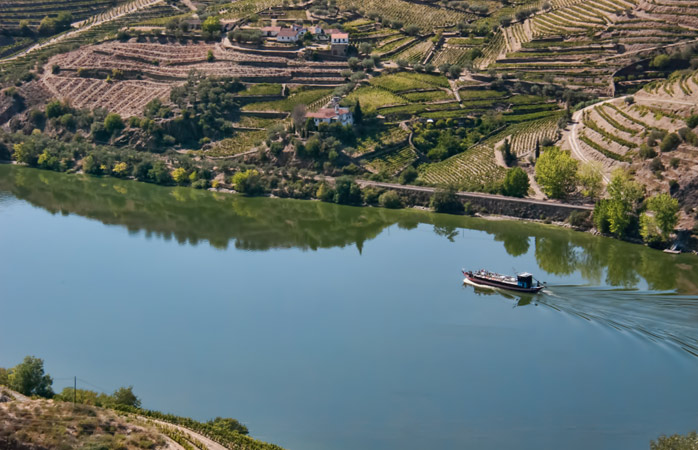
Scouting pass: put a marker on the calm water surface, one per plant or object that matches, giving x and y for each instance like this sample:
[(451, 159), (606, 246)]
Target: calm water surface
[(327, 327)]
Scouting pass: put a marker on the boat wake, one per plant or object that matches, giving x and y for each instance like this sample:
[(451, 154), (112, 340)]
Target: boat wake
[(658, 316)]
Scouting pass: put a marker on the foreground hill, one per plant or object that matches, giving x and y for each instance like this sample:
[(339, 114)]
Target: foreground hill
[(40, 424)]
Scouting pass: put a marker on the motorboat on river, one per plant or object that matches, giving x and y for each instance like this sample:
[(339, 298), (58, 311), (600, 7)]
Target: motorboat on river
[(522, 282)]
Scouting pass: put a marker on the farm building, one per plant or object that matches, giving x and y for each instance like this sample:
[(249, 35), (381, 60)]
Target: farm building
[(270, 31), (331, 115), (339, 44), (292, 34)]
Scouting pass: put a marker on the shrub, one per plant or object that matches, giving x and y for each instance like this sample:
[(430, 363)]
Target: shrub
[(248, 182), (556, 172), (692, 121), (579, 219), (647, 152), (656, 165), (446, 201), (670, 142)]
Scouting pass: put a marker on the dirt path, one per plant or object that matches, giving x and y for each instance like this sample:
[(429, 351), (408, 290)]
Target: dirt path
[(106, 17)]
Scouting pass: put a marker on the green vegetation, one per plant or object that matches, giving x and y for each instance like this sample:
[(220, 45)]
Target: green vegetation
[(556, 172), (28, 378), (676, 442), (618, 214), (516, 183)]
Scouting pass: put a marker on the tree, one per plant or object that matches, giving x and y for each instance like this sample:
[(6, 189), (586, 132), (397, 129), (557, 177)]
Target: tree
[(556, 172), (211, 27), (357, 113), (248, 182), (675, 442), (124, 396), (446, 201), (180, 175), (347, 192), (113, 123), (411, 30), (666, 212), (509, 157), (591, 179), (515, 183), (617, 213), (210, 57), (408, 175), (54, 108), (28, 378), (298, 115), (390, 199)]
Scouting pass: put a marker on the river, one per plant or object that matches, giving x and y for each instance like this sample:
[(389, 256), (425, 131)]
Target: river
[(329, 327)]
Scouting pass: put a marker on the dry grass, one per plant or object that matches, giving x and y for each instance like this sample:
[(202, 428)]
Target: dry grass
[(55, 425)]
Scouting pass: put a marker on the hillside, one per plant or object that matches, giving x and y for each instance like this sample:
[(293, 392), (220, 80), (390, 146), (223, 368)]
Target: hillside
[(196, 92), (36, 424)]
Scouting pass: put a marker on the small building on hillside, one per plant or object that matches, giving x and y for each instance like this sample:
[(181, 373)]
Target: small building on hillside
[(287, 35), (270, 31), (339, 44), (333, 113)]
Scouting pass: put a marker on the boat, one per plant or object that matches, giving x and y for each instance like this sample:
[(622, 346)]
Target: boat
[(522, 282)]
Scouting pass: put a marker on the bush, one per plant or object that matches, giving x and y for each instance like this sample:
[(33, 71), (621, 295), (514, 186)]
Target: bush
[(647, 152), (656, 165), (556, 172), (670, 142), (579, 219), (692, 121), (390, 199), (113, 123)]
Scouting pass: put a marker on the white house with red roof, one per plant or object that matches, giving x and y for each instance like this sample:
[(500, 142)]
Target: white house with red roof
[(332, 114)]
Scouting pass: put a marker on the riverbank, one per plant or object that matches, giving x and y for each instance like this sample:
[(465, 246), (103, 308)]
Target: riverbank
[(576, 217)]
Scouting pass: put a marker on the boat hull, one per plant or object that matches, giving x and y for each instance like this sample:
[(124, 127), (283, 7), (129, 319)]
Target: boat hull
[(477, 281)]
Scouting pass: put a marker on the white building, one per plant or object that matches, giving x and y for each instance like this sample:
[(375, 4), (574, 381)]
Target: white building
[(332, 115)]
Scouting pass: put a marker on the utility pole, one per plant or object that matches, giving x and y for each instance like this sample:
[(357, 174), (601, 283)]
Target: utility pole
[(75, 390)]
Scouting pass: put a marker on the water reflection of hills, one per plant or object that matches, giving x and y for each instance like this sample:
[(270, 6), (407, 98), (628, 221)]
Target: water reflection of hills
[(191, 216)]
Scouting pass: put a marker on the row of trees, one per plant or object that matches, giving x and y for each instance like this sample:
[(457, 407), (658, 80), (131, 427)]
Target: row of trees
[(29, 378)]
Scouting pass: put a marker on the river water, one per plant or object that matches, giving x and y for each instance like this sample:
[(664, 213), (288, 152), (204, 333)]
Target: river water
[(329, 327)]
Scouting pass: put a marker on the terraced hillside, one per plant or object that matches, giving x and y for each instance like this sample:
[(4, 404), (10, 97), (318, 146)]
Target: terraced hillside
[(649, 132), (148, 70), (12, 12), (582, 44)]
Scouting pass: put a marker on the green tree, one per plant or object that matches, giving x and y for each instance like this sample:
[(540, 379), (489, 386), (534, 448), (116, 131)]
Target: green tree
[(617, 213), (357, 113), (347, 192), (211, 27), (515, 183), (390, 199), (4, 377), (124, 396), (556, 172), (248, 182), (446, 201), (180, 176), (28, 378), (666, 212), (54, 108), (113, 123), (591, 179), (210, 57)]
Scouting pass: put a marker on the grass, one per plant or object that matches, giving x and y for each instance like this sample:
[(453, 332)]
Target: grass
[(386, 138), (372, 98), (300, 97), (405, 81)]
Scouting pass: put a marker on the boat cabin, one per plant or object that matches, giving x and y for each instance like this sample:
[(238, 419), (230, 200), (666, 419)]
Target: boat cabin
[(524, 280)]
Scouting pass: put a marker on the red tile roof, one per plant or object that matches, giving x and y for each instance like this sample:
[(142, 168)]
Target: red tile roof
[(327, 113)]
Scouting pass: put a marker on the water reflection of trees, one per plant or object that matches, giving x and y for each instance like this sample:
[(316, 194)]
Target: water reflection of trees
[(190, 217)]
